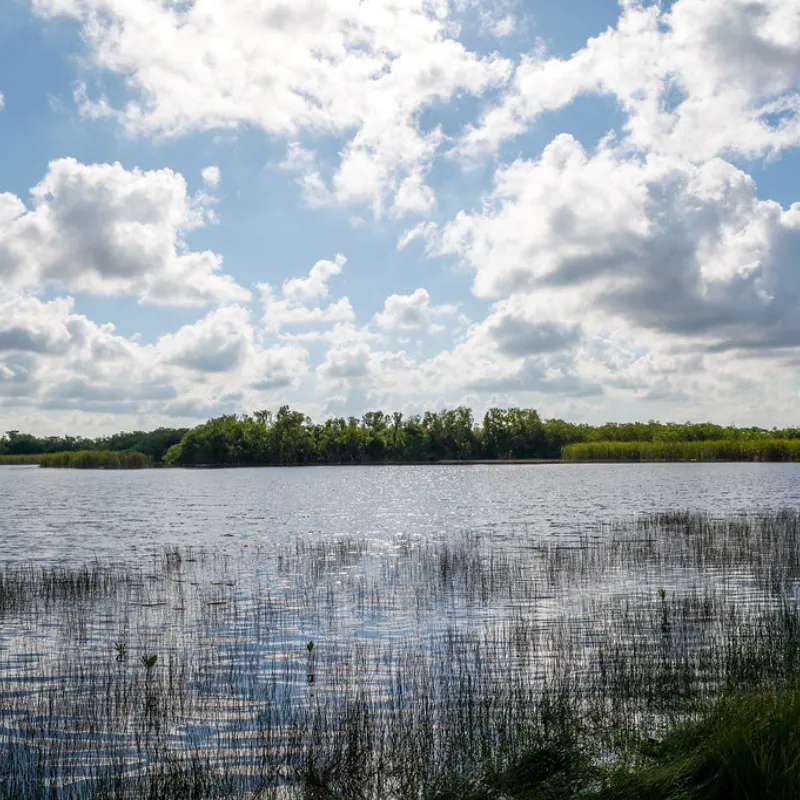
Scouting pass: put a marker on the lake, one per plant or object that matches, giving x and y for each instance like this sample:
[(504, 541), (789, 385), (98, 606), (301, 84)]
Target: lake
[(58, 515), (229, 632)]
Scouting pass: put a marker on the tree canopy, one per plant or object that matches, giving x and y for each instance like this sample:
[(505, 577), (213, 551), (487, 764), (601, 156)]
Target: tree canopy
[(290, 437)]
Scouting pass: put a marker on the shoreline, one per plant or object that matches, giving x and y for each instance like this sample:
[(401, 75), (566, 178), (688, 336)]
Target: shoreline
[(442, 463), (480, 462)]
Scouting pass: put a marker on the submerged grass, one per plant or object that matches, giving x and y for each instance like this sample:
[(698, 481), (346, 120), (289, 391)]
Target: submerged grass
[(656, 656)]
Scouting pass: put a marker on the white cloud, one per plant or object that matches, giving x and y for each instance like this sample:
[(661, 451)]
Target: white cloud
[(645, 271), (364, 71), (413, 197), (499, 26), (29, 325), (315, 286), (55, 360), (699, 79), (217, 343), (224, 341), (346, 363), (298, 159), (299, 302), (422, 230), (406, 311), (664, 245), (103, 229), (211, 176), (2, 101)]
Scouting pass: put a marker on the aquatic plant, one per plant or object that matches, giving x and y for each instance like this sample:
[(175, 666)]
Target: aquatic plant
[(547, 667), (18, 460), (745, 449), (95, 459)]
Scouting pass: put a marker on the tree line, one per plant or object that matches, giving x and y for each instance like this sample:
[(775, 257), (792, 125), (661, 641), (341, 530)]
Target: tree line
[(16, 447), (291, 437)]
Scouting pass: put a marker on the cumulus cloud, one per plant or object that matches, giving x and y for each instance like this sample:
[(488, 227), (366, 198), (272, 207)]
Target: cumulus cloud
[(53, 359), (211, 176), (661, 243), (299, 301), (346, 362), (345, 69), (407, 311), (648, 269), (29, 325), (697, 78), (217, 343), (224, 341), (103, 229)]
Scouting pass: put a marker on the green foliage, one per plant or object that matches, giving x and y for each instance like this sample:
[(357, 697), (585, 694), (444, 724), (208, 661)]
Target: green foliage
[(149, 661), (95, 459), (747, 747), (291, 438), (153, 444), (743, 449)]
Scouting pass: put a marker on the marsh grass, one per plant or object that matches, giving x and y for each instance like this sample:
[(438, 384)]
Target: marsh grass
[(471, 665), (95, 459), (745, 449), (18, 460)]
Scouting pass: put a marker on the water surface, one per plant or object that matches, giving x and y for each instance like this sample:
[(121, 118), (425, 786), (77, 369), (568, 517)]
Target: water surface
[(57, 515)]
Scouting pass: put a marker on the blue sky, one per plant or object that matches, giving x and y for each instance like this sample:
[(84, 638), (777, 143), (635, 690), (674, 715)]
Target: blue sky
[(587, 207)]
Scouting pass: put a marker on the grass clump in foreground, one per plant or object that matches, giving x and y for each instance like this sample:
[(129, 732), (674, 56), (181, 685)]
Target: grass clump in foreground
[(95, 459), (746, 747)]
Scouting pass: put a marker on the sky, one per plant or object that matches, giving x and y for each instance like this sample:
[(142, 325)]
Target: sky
[(587, 207)]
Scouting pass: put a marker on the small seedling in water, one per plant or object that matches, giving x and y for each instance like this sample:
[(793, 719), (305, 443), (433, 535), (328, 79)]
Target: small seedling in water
[(662, 593), (122, 650), (310, 665), (149, 661)]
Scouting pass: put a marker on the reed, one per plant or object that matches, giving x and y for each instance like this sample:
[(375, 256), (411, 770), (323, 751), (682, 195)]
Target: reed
[(437, 667), (755, 449), (95, 459), (6, 460)]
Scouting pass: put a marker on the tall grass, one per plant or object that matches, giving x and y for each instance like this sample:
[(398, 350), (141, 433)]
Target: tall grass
[(95, 459), (463, 666), (761, 449), (6, 460), (746, 747)]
